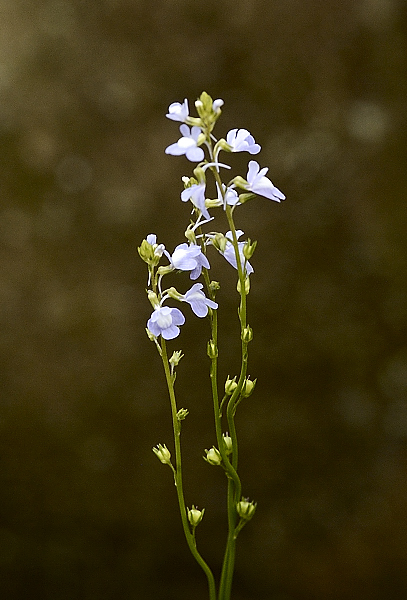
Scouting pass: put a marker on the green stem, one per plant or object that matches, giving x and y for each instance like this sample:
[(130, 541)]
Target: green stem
[(190, 538), (234, 485)]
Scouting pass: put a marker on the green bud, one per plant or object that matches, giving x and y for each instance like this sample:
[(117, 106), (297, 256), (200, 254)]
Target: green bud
[(228, 443), (213, 456), (163, 454), (151, 336), (204, 105), (248, 387), (246, 285), (230, 386), (182, 413), (175, 358), (195, 516), (212, 349), (220, 242), (146, 252), (190, 233), (246, 509), (249, 248), (150, 253), (214, 286), (247, 334), (208, 110), (152, 296)]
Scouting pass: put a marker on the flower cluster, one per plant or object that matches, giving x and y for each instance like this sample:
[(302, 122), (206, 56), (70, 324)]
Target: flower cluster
[(198, 144)]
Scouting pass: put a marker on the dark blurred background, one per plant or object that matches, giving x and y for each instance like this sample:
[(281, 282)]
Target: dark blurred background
[(86, 510)]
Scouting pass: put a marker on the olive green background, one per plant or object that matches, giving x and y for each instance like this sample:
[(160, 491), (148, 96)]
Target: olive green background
[(86, 510)]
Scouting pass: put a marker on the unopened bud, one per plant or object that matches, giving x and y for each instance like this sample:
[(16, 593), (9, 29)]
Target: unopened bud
[(152, 296), (248, 387), (163, 454), (246, 509), (249, 248), (246, 286), (213, 456), (247, 334), (182, 414), (175, 358), (195, 516), (228, 443), (230, 386), (220, 242)]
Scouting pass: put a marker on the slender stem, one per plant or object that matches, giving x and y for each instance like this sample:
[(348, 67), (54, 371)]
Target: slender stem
[(190, 538)]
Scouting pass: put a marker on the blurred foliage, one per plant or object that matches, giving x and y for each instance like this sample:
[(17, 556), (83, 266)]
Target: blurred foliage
[(87, 512)]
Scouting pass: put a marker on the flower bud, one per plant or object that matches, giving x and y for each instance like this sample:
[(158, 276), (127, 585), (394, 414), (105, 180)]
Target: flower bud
[(182, 414), (213, 456), (246, 286), (190, 233), (175, 358), (195, 516), (214, 286), (249, 248), (247, 334), (248, 387), (246, 509), (146, 251), (228, 443), (163, 454), (220, 242), (230, 386), (151, 253), (152, 296)]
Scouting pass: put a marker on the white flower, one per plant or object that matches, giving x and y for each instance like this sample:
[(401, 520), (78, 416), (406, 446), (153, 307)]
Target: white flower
[(240, 140), (196, 193), (158, 248), (230, 255), (258, 183), (164, 321), (178, 111), (216, 104), (198, 301), (189, 258), (187, 144)]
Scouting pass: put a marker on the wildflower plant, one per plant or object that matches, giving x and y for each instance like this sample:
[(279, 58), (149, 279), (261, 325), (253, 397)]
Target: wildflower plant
[(199, 145)]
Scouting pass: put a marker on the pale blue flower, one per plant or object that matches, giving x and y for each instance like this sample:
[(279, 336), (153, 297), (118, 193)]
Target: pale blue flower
[(187, 144), (189, 258), (230, 255), (198, 301), (240, 140), (258, 183), (178, 111), (196, 193), (165, 321)]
